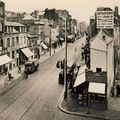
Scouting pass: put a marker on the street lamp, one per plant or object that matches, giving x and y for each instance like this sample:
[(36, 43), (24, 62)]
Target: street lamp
[(65, 66)]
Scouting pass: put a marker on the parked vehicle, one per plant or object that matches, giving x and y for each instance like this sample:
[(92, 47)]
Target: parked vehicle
[(31, 65), (70, 39), (70, 70), (61, 76)]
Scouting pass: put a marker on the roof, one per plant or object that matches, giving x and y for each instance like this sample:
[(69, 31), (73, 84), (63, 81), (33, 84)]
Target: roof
[(98, 35), (28, 17), (8, 23)]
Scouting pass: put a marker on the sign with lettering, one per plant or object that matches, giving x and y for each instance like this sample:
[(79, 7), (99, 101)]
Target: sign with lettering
[(105, 19)]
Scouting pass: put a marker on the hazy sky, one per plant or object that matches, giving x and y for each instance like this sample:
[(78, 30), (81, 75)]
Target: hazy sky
[(79, 9)]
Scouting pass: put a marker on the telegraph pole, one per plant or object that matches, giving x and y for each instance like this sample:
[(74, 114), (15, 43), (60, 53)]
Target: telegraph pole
[(65, 66)]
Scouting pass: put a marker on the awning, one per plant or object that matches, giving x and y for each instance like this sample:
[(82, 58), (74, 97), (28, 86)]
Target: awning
[(80, 77), (4, 59), (62, 39), (43, 45), (27, 52), (96, 88)]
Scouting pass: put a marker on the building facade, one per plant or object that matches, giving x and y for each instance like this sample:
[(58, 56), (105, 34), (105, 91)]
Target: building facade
[(15, 39)]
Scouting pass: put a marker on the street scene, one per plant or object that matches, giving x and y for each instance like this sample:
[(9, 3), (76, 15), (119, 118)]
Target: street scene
[(59, 60)]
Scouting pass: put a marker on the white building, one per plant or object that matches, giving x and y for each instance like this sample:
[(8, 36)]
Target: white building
[(102, 56)]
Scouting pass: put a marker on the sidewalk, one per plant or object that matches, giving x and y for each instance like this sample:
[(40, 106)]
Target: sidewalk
[(18, 76), (72, 106)]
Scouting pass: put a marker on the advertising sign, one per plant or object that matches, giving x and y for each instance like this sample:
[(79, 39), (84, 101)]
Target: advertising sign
[(105, 19)]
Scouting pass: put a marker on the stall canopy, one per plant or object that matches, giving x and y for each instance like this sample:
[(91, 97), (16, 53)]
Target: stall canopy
[(43, 45), (4, 59), (81, 77), (27, 52), (96, 88)]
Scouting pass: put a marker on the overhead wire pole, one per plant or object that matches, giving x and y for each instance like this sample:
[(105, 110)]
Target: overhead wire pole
[(65, 66)]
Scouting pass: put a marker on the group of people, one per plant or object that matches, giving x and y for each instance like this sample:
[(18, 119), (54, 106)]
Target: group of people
[(116, 91)]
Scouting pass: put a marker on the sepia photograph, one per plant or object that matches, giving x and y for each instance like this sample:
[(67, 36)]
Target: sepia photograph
[(59, 59)]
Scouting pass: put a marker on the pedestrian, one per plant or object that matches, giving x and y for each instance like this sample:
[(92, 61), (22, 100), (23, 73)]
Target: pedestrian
[(26, 74), (117, 90), (19, 69), (80, 99), (5, 70), (78, 66), (9, 76)]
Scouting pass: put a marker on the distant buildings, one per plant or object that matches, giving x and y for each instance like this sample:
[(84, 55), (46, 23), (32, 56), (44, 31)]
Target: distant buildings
[(24, 36)]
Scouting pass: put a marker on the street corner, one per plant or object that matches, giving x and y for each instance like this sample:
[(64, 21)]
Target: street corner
[(77, 110)]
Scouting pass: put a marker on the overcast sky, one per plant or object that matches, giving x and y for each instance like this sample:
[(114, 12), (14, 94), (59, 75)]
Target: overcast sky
[(79, 9)]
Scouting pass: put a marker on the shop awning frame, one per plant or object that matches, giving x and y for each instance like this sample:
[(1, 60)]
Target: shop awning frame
[(4, 59), (81, 77), (27, 52)]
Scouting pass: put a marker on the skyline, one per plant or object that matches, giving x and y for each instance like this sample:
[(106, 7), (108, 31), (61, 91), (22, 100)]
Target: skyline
[(79, 9)]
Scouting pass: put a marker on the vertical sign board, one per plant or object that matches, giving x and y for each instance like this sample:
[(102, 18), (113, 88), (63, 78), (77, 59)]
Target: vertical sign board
[(105, 19), (2, 16)]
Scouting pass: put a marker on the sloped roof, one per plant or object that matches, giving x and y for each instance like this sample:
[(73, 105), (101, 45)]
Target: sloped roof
[(106, 40), (98, 35), (8, 23)]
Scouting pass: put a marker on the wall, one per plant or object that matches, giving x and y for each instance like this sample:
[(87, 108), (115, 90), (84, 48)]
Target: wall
[(98, 54), (98, 59)]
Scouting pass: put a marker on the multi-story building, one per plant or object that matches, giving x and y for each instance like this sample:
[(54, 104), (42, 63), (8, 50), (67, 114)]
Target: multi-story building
[(64, 14), (15, 40)]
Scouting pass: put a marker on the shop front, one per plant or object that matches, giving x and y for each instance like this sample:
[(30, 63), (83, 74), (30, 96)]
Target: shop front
[(97, 95), (25, 54), (4, 63)]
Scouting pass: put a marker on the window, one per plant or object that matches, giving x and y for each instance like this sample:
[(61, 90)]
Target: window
[(1, 27), (8, 42), (11, 29), (8, 28), (13, 41), (17, 40), (21, 40), (13, 54), (25, 39), (103, 37), (8, 54), (98, 70), (1, 42)]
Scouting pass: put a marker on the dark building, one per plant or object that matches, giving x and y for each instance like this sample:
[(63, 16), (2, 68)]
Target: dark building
[(2, 26), (51, 14)]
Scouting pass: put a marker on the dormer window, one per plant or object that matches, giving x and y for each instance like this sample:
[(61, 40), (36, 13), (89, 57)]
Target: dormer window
[(103, 37), (98, 70)]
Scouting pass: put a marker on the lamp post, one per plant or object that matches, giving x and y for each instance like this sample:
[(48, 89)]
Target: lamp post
[(65, 66)]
